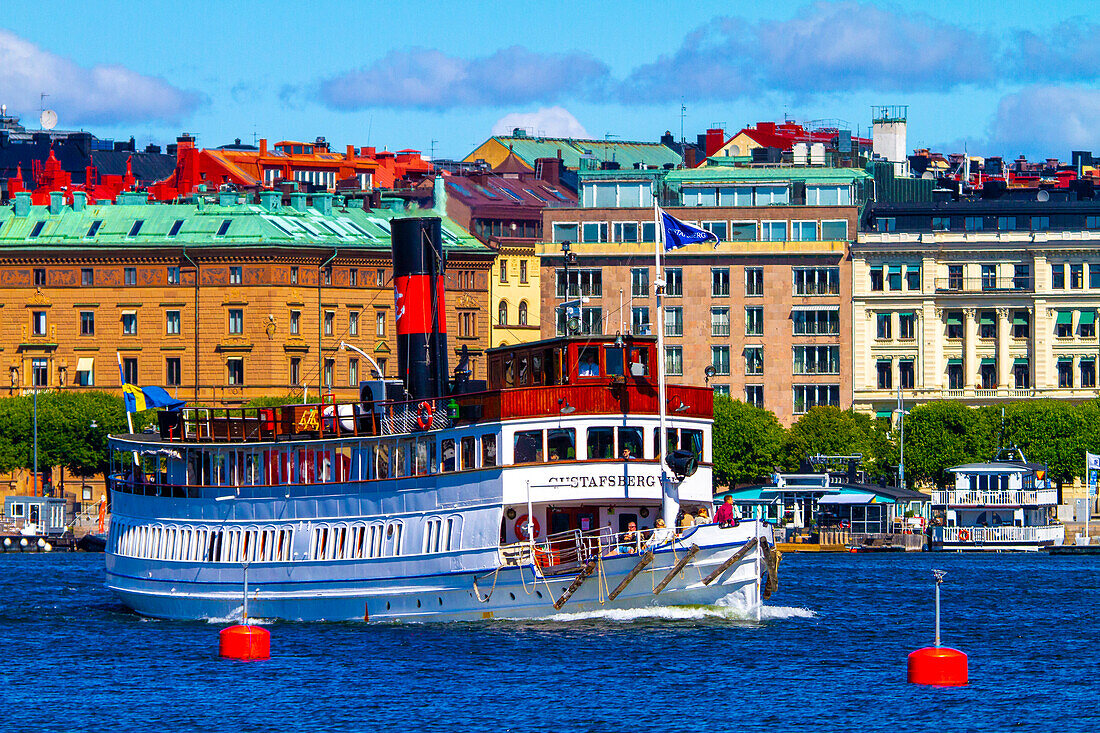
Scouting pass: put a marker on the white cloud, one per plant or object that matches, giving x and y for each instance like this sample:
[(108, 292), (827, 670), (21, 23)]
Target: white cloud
[(100, 94), (546, 122), (1046, 121)]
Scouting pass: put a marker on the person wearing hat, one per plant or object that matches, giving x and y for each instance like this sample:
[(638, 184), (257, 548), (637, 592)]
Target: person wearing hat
[(661, 534)]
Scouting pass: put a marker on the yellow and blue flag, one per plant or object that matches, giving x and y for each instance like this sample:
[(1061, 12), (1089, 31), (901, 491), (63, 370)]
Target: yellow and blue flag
[(138, 398)]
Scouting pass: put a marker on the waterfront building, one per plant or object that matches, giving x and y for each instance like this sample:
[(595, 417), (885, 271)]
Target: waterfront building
[(766, 307), (219, 300), (978, 300), (575, 154), (832, 136), (503, 209)]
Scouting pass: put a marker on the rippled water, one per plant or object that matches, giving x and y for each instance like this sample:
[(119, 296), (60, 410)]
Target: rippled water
[(829, 654)]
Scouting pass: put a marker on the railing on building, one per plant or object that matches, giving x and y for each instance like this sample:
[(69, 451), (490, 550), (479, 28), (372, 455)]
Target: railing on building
[(984, 284), (1008, 497), (999, 535)]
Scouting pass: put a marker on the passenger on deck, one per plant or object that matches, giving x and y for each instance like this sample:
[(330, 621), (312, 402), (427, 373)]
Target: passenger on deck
[(589, 367), (626, 454), (724, 516), (701, 516), (629, 541), (685, 521), (661, 535)]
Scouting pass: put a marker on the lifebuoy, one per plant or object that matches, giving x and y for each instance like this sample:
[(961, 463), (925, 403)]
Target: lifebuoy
[(424, 415), (964, 535), (521, 527)]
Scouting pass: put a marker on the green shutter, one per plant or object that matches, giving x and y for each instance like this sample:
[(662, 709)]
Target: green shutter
[(1065, 318), (905, 313), (884, 414)]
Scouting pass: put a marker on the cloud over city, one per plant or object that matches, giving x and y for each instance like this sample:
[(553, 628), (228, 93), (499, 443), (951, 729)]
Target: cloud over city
[(423, 78), (100, 94), (546, 122), (1040, 119)]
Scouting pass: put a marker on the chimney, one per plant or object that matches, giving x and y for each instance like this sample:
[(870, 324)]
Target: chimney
[(350, 155), (227, 198), (270, 200), (551, 170), (689, 157), (22, 203), (439, 195), (57, 202), (419, 293), (80, 200), (298, 202), (716, 137), (263, 146), (323, 203)]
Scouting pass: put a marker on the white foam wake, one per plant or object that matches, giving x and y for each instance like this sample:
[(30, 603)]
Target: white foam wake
[(717, 612)]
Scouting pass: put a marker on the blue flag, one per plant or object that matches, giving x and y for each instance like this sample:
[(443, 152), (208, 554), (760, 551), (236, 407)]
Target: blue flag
[(146, 398), (678, 234)]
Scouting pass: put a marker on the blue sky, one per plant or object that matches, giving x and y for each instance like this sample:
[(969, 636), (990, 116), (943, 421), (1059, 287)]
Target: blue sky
[(1004, 77)]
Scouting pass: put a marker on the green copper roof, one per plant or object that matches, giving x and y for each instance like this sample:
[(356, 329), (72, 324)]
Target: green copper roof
[(722, 174), (625, 153), (211, 225)]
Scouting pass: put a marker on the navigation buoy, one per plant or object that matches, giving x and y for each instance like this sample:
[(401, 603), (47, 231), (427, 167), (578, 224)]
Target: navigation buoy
[(938, 665), (244, 641)]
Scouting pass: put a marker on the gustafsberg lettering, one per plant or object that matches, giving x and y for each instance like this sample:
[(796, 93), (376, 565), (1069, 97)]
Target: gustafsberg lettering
[(594, 482)]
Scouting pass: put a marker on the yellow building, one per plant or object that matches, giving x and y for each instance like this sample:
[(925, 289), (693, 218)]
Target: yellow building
[(514, 295)]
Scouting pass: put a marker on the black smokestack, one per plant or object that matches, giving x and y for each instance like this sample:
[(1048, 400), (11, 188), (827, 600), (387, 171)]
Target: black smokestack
[(419, 295)]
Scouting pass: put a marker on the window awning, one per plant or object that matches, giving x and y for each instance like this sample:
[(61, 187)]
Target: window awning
[(1065, 318), (1065, 359), (129, 313), (85, 364), (1088, 315), (954, 362), (987, 318), (954, 320), (884, 413), (1019, 320), (895, 269), (1019, 362), (847, 499), (989, 362), (905, 313)]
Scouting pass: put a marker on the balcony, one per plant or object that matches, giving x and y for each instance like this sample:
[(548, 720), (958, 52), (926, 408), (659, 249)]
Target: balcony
[(1006, 498), (985, 284), (1055, 534)]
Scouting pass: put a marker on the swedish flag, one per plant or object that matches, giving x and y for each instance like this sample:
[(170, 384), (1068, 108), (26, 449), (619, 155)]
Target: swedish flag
[(147, 398)]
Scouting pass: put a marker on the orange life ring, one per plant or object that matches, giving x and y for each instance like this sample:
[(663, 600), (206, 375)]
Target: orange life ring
[(964, 535), (521, 525), (424, 415)]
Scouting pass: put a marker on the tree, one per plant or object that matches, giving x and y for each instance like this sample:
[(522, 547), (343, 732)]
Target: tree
[(65, 433), (1051, 432), (746, 441), (15, 431), (834, 432), (946, 433)]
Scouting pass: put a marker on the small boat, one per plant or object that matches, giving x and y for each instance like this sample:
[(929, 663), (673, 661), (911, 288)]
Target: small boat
[(1005, 504)]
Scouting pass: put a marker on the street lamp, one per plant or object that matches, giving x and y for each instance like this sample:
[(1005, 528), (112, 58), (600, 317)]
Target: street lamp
[(902, 412)]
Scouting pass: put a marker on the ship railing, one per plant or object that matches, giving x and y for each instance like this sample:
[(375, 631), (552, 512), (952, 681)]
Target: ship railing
[(1006, 533), (313, 420), (565, 550), (1007, 497)]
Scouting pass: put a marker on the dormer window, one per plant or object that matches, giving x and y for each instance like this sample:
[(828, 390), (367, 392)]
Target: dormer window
[(136, 227), (224, 227), (37, 229), (94, 228), (176, 225)]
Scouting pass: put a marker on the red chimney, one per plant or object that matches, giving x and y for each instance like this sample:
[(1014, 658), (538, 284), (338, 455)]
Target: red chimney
[(689, 157), (263, 146), (551, 170), (716, 138)]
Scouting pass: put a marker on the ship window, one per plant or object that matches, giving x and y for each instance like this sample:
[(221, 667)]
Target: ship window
[(630, 442), (421, 463), (448, 455), (382, 460), (639, 362), (613, 360), (589, 362), (488, 450), (528, 447), (401, 458), (692, 440), (521, 371), (670, 441), (600, 442), (561, 444), (536, 368), (509, 378), (468, 445)]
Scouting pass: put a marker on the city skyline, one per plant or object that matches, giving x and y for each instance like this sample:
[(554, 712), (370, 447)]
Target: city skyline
[(972, 75)]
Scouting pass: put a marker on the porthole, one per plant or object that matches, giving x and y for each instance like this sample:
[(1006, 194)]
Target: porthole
[(538, 593), (387, 605), (418, 603), (441, 601)]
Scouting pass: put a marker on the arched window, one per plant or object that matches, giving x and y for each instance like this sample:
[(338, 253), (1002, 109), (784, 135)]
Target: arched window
[(502, 313), (523, 313)]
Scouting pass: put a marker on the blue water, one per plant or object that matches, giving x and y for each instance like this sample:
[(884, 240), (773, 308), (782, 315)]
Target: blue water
[(830, 655)]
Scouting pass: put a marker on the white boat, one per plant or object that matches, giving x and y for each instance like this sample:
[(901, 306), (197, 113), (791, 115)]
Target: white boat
[(512, 498), (1006, 504)]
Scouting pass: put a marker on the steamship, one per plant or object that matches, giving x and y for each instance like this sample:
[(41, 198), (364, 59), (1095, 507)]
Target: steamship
[(545, 489)]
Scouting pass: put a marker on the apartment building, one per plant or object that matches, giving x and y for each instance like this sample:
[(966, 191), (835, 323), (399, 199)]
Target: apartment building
[(766, 307), (978, 300)]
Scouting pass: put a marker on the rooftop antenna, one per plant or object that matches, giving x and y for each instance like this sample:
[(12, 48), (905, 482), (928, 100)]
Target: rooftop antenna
[(683, 111), (432, 148)]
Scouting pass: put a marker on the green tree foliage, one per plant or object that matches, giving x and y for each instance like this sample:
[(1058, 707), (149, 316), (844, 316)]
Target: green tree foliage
[(15, 426), (942, 434), (747, 441), (1051, 432), (834, 432), (274, 401), (65, 433)]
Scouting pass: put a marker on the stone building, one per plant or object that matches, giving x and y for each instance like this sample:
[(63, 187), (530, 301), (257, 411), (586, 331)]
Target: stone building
[(766, 307), (980, 301), (219, 300)]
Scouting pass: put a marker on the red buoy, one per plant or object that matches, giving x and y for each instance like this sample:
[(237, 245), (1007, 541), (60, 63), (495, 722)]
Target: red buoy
[(244, 642), (938, 665)]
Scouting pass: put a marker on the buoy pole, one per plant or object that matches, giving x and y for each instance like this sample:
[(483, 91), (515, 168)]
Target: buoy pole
[(244, 610), (938, 665), (244, 641)]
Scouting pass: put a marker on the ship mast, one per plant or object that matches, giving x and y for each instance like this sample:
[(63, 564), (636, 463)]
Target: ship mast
[(670, 500)]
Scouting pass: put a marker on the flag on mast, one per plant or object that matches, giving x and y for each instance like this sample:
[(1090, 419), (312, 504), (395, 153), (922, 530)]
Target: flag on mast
[(138, 398), (680, 234)]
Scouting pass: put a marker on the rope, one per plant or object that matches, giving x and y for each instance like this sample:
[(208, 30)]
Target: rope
[(601, 580), (478, 590)]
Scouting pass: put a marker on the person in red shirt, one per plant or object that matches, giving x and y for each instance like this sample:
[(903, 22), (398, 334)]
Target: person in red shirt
[(724, 516)]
